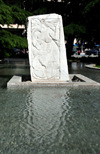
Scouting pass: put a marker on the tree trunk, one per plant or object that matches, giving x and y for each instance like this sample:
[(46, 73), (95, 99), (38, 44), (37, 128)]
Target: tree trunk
[(69, 46)]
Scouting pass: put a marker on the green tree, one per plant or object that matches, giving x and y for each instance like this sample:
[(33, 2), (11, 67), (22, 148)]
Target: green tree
[(92, 21), (73, 31), (82, 22), (11, 15), (80, 19), (5, 13)]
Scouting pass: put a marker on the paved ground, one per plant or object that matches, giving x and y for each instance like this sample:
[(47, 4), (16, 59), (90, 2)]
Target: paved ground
[(92, 66), (86, 56)]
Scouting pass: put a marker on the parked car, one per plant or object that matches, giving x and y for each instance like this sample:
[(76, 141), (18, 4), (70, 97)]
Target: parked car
[(98, 52), (17, 51), (93, 51), (20, 52), (82, 54)]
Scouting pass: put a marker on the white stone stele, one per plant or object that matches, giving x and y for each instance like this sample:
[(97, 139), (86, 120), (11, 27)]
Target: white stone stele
[(47, 53)]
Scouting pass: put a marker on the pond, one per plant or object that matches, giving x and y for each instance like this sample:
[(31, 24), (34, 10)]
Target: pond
[(47, 120)]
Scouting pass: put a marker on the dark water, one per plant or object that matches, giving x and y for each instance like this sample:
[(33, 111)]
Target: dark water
[(7, 70), (79, 68), (49, 120)]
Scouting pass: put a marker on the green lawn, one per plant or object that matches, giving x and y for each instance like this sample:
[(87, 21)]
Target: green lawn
[(97, 66)]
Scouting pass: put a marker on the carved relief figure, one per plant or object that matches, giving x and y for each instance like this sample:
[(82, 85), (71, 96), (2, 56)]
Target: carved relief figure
[(45, 48), (47, 53)]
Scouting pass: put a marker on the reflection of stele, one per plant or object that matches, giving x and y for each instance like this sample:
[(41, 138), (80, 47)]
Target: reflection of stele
[(45, 51)]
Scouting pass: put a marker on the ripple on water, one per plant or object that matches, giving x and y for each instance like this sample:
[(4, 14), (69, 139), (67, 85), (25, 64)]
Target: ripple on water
[(43, 115), (50, 120)]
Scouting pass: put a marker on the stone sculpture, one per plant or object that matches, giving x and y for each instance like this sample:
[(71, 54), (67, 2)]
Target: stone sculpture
[(47, 54)]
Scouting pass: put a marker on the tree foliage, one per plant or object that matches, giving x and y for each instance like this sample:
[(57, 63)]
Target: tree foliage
[(80, 17), (81, 20), (19, 15), (9, 40), (92, 21), (91, 5), (74, 29), (5, 13), (11, 15)]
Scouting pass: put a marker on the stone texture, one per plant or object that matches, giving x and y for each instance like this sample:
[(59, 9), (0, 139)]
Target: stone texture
[(47, 54), (17, 82)]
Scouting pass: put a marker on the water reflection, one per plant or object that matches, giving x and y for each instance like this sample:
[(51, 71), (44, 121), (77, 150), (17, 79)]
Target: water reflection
[(7, 70), (77, 66), (46, 115), (58, 120), (49, 120)]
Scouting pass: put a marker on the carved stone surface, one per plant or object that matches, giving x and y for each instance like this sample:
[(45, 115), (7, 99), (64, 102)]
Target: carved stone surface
[(47, 54)]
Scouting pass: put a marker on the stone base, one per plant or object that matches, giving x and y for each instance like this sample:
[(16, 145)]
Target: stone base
[(75, 80)]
